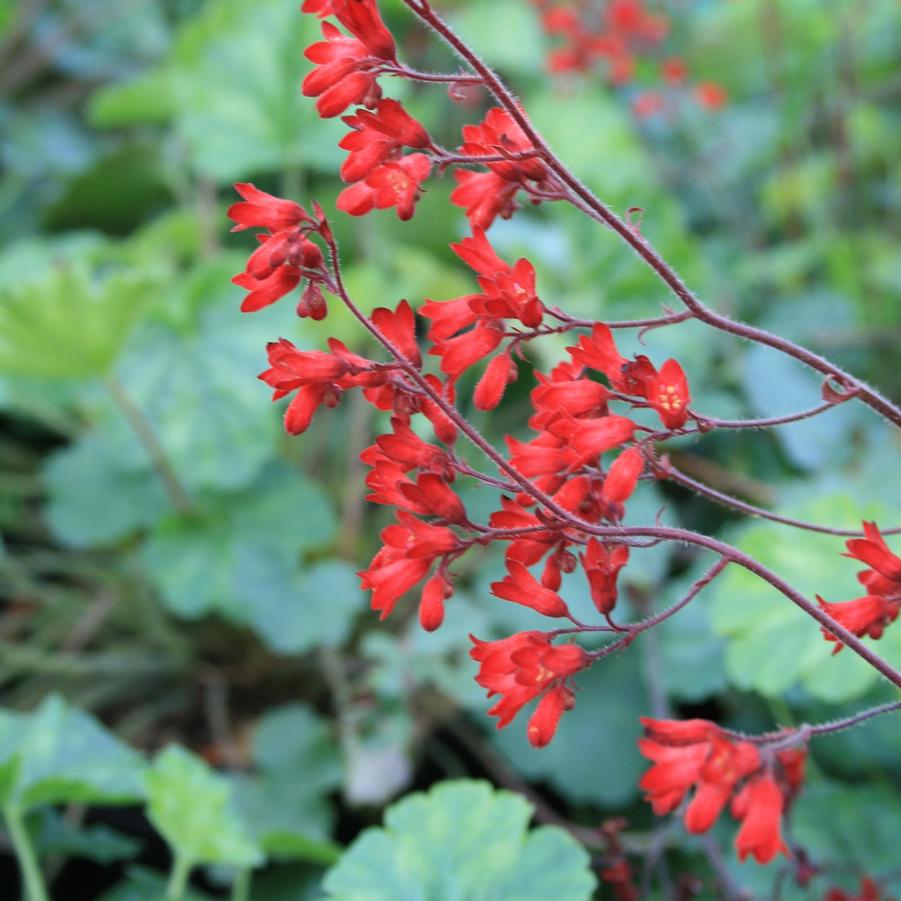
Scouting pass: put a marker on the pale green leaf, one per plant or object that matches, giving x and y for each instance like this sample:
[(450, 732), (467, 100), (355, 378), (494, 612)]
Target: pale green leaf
[(193, 808), (461, 840), (64, 756)]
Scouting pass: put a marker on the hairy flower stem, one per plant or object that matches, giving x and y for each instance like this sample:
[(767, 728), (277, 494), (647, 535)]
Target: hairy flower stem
[(680, 478), (802, 733), (583, 198)]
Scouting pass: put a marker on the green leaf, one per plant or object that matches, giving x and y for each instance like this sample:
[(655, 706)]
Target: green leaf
[(603, 726), (295, 610), (57, 835), (777, 385), (231, 88), (772, 644), (196, 561), (200, 395), (95, 497), (68, 326), (691, 653), (146, 885), (462, 839), (64, 756), (285, 804), (93, 198), (193, 808)]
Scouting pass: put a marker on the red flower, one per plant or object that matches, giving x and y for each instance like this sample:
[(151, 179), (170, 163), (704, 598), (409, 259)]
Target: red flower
[(599, 352), (647, 104), (602, 565), (266, 291), (544, 721), (711, 95), (678, 733), (449, 316), (399, 327), (521, 587), (675, 771), (395, 183), (433, 496), (866, 616), (341, 77), (674, 70), (667, 393), (885, 575), (376, 136), (458, 354), (693, 754), (498, 133), (261, 210), (571, 397), (391, 574), (544, 455), (408, 552), (431, 606), (405, 447), (484, 196), (759, 806), (520, 668), (490, 389), (362, 19), (589, 438), (622, 477), (727, 762), (317, 377), (529, 549), (508, 291), (284, 256), (321, 8), (312, 303)]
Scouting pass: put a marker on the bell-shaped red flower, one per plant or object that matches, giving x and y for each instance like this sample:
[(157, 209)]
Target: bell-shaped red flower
[(667, 393), (759, 806), (866, 616), (520, 668)]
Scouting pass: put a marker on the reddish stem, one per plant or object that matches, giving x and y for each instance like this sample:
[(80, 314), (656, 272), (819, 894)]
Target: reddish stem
[(680, 478)]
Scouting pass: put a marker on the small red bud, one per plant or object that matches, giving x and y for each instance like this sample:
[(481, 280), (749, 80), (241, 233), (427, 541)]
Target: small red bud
[(312, 304)]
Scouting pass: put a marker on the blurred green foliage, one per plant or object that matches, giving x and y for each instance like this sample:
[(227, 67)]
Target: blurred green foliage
[(173, 564)]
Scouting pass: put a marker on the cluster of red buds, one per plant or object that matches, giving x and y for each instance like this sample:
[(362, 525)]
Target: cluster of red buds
[(618, 35), (597, 420)]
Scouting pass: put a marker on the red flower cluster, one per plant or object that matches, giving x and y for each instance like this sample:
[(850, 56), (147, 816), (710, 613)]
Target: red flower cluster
[(869, 615), (347, 65), (696, 754), (522, 667), (613, 32), (666, 391), (619, 35), (562, 502), (384, 178), (285, 254)]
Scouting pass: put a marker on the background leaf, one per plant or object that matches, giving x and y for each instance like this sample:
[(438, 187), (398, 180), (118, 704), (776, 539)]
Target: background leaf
[(465, 840), (193, 809)]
